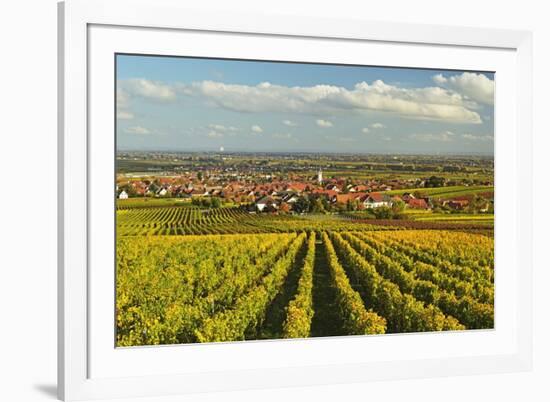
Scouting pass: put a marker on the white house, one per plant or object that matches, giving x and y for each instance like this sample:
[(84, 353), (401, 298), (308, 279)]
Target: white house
[(123, 195), (376, 200), (265, 202)]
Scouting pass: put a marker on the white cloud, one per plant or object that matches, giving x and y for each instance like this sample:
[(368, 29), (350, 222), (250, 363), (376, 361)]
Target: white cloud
[(475, 86), (377, 125), (289, 123), (137, 130), (449, 136), (122, 104), (220, 127), (429, 103), (365, 130), (439, 79), (323, 123), (121, 98), (478, 138), (149, 89), (446, 136), (256, 129), (124, 115)]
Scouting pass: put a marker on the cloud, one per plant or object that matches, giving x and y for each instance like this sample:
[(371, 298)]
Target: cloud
[(148, 89), (323, 123), (475, 86), (377, 125), (220, 127), (121, 98), (449, 136), (365, 130), (439, 79), (428, 103), (289, 123), (256, 129), (124, 115), (122, 104), (138, 87), (478, 138), (453, 101), (446, 136), (137, 130)]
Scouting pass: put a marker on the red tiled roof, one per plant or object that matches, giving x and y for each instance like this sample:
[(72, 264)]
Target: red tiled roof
[(376, 197), (418, 203), (361, 188), (343, 198), (298, 186), (459, 202)]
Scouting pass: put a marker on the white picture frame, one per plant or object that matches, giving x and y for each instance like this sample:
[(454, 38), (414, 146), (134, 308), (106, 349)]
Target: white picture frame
[(88, 369)]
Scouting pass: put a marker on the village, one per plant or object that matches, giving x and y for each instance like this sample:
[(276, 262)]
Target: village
[(296, 194)]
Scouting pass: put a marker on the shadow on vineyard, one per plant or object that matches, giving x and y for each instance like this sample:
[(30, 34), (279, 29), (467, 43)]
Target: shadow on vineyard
[(272, 327), (326, 319)]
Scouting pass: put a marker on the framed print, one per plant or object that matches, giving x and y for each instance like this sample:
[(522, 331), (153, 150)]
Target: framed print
[(247, 202)]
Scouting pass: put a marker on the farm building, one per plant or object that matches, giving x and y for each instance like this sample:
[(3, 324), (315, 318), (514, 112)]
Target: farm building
[(266, 203), (343, 198), (408, 196), (123, 195), (457, 204), (418, 203), (162, 192), (376, 200), (396, 198)]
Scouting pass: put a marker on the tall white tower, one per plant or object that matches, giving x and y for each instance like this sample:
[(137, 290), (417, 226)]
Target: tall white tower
[(320, 176)]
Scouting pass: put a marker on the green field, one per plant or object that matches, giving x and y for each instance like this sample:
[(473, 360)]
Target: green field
[(445, 192)]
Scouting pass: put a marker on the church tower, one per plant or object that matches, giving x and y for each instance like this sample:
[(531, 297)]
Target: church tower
[(320, 176)]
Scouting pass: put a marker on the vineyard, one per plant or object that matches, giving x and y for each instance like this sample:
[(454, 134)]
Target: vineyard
[(195, 221), (188, 220), (185, 276)]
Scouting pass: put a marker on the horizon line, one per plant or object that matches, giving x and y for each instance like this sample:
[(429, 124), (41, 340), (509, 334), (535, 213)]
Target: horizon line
[(227, 152)]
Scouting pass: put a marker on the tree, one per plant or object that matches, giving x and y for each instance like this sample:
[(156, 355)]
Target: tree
[(341, 207), (215, 202), (352, 205), (318, 207), (153, 188), (302, 204), (284, 208), (382, 212), (434, 181), (477, 204), (398, 206)]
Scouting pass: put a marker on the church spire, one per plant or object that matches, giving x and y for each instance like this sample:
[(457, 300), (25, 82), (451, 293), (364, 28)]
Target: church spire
[(320, 176)]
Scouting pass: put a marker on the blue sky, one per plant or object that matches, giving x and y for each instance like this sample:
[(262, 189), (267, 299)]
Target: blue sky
[(186, 104)]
